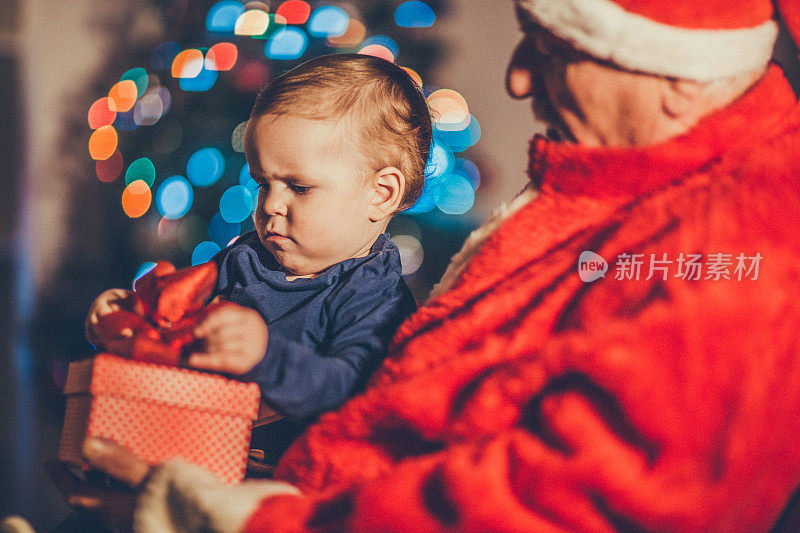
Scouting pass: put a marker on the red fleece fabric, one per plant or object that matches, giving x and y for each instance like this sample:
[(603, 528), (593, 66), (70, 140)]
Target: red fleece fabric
[(527, 400)]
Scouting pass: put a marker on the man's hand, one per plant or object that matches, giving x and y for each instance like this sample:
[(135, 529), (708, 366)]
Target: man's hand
[(111, 505), (108, 302), (235, 340)]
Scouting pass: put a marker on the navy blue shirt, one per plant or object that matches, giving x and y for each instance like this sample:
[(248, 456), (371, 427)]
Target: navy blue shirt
[(327, 334)]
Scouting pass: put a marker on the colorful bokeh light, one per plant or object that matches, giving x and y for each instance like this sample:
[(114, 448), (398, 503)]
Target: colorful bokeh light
[(143, 269), (174, 197), (355, 33), (236, 204), (377, 50), (253, 22), (237, 137), (103, 143), (205, 167), (136, 199), (108, 170), (221, 231), (449, 109), (122, 96), (204, 251), (289, 44), (142, 169), (327, 21), (414, 14), (247, 180), (187, 64), (454, 194), (221, 57), (100, 114), (223, 15), (164, 54), (411, 253), (204, 80), (149, 108), (294, 11), (138, 76)]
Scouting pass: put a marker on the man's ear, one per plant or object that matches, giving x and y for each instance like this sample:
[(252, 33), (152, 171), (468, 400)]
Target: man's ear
[(389, 185), (680, 96)]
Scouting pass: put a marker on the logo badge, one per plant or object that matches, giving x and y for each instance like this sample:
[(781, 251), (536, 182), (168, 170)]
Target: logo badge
[(591, 266)]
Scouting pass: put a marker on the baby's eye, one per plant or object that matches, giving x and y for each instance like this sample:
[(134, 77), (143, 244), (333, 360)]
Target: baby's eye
[(299, 189)]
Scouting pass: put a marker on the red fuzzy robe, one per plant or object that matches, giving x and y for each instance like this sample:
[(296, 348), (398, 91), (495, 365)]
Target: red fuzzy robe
[(527, 400)]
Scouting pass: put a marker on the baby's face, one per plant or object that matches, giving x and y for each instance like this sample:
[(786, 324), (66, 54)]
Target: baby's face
[(315, 192)]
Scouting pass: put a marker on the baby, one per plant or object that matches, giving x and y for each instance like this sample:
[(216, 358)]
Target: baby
[(337, 146)]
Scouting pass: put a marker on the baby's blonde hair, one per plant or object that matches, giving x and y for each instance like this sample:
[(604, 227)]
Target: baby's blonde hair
[(379, 99)]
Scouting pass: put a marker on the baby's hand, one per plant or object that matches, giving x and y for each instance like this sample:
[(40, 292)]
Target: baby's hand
[(235, 339), (108, 302)]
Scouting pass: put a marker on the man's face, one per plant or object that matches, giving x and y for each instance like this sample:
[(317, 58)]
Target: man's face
[(315, 196), (581, 99)]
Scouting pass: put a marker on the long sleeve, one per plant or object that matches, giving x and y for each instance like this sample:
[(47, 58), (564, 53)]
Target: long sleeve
[(301, 382)]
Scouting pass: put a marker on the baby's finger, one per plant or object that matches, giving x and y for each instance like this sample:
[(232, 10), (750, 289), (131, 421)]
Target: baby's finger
[(220, 318), (213, 361)]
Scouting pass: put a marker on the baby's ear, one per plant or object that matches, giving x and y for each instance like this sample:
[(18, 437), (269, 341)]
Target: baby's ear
[(388, 186)]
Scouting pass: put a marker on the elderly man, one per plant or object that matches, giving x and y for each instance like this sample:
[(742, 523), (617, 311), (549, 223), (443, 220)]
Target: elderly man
[(617, 350)]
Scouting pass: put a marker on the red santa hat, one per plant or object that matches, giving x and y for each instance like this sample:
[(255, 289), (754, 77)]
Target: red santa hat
[(691, 39)]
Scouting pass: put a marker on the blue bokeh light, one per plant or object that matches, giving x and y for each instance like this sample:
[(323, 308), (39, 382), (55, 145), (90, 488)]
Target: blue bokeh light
[(164, 54), (221, 232), (236, 204), (202, 82), (454, 194), (414, 14), (469, 170), (204, 251), (247, 181), (440, 161), (460, 140), (427, 199), (328, 21), (174, 197), (222, 16), (205, 167), (290, 43)]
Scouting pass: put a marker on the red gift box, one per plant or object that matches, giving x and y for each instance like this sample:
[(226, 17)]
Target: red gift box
[(160, 412)]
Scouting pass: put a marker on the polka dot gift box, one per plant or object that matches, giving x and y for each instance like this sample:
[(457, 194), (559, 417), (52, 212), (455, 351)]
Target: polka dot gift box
[(160, 412)]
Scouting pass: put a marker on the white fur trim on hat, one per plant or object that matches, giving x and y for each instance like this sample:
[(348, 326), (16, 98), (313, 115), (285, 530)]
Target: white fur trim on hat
[(606, 31)]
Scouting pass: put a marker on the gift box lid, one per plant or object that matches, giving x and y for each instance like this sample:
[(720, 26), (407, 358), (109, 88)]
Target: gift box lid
[(111, 375)]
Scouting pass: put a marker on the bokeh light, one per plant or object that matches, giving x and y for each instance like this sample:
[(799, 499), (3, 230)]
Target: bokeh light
[(253, 22), (108, 170), (237, 137), (223, 15), (122, 96), (277, 24), (143, 269), (246, 180), (469, 170), (142, 169), (427, 198), (414, 76), (103, 143), (454, 194), (383, 40), (440, 161), (149, 108), (355, 33), (169, 230), (205, 167), (164, 54), (100, 114), (202, 82), (221, 57), (125, 121), (458, 141), (204, 252), (377, 50), (221, 231), (411, 253), (136, 199), (449, 109), (138, 76), (236, 204), (187, 64), (327, 21), (193, 230), (414, 14), (291, 43), (294, 11), (174, 197), (251, 76)]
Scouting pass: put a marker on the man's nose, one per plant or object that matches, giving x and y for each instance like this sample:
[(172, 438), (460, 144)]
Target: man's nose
[(524, 74)]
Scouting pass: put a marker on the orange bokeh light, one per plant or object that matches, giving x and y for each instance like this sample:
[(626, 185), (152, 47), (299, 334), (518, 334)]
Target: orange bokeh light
[(100, 114), (377, 50), (294, 11), (356, 32), (103, 143), (136, 199), (122, 96), (187, 64), (221, 56), (414, 76)]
